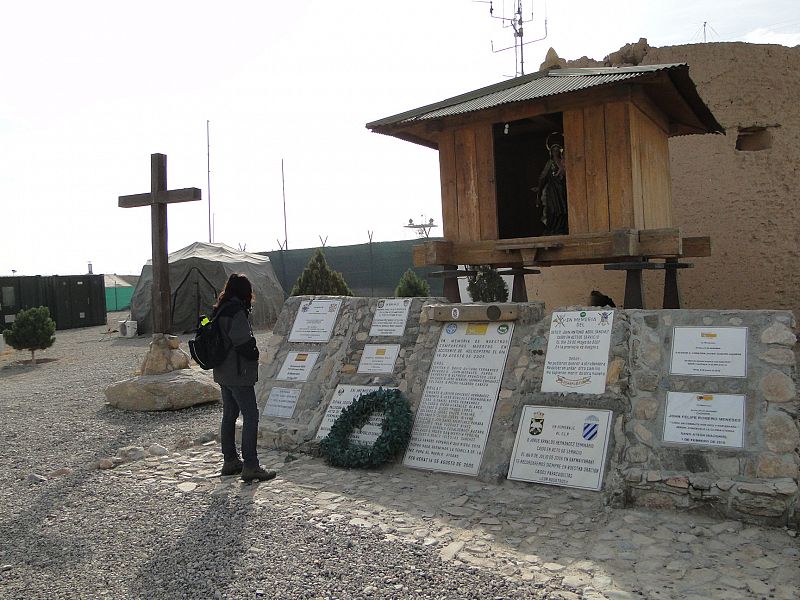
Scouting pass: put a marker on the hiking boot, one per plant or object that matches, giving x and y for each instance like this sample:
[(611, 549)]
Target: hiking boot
[(231, 467), (257, 474)]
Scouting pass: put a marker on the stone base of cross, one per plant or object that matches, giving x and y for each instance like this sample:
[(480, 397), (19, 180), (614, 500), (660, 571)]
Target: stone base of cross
[(157, 200)]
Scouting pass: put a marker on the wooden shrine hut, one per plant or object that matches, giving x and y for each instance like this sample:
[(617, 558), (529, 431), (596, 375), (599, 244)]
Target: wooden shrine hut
[(611, 126)]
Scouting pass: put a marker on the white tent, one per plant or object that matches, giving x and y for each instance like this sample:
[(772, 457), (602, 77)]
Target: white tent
[(197, 275)]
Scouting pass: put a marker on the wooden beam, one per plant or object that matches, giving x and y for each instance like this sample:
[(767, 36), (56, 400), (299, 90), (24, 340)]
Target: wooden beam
[(660, 242), (696, 246), (162, 197)]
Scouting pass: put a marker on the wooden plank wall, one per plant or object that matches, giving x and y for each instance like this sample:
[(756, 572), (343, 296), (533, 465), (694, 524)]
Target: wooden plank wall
[(617, 169), (618, 165), (575, 158), (487, 190), (469, 197), (447, 178), (650, 151)]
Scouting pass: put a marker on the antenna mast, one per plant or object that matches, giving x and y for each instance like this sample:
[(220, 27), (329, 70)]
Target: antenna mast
[(516, 22), (208, 154)]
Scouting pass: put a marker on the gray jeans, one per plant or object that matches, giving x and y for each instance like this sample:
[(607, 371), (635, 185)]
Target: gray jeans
[(236, 399)]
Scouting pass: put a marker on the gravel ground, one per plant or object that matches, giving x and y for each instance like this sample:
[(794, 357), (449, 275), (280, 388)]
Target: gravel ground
[(87, 533)]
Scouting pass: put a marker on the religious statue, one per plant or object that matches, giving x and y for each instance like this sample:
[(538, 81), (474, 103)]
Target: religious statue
[(552, 192)]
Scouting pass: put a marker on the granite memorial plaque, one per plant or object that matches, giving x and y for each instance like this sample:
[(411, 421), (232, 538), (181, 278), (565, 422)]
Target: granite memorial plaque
[(344, 396), (705, 419), (390, 317), (455, 413), (561, 446), (378, 358), (577, 352), (709, 351), (315, 320), (281, 402), (297, 366)]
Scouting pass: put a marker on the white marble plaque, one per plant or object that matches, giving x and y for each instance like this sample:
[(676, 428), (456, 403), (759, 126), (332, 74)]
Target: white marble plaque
[(378, 358), (577, 352), (297, 366), (709, 351), (705, 419), (281, 402), (344, 396), (455, 413), (561, 446), (315, 320), (390, 317)]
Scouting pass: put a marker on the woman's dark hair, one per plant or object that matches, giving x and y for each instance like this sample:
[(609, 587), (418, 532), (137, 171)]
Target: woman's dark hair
[(237, 286)]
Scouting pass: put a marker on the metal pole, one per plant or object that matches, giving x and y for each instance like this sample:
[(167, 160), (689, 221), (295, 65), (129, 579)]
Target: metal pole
[(283, 187), (208, 154)]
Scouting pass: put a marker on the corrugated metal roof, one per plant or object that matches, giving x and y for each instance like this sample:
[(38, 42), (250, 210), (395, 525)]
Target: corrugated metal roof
[(528, 87)]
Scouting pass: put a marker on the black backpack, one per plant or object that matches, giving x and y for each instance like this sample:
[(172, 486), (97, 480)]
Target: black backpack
[(210, 346)]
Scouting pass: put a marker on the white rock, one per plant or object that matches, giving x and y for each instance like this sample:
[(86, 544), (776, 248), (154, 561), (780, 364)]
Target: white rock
[(169, 391), (36, 478), (187, 486), (157, 450)]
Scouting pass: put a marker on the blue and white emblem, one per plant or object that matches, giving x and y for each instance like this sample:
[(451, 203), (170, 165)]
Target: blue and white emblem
[(590, 427), (451, 328)]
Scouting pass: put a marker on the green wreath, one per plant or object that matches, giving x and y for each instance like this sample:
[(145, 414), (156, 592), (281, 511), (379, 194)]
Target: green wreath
[(395, 431)]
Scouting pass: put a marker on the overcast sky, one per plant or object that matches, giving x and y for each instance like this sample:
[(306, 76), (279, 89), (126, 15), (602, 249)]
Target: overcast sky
[(90, 89)]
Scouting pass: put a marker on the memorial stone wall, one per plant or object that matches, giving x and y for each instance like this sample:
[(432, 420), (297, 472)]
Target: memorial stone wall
[(683, 410)]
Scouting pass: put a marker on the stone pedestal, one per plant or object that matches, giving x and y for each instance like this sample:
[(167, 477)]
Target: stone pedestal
[(164, 355), (166, 382)]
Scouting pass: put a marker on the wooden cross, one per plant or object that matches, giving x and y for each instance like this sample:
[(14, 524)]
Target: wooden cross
[(157, 200)]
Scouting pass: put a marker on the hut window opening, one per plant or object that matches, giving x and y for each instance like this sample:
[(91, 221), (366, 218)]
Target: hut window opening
[(752, 139), (8, 299), (523, 157)]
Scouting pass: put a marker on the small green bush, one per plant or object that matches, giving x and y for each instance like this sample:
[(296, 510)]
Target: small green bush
[(33, 330), (411, 285), (318, 279), (487, 285)]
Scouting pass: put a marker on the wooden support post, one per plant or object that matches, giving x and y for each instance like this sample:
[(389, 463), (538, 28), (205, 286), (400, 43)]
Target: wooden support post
[(634, 289), (520, 292), (672, 291), (634, 285)]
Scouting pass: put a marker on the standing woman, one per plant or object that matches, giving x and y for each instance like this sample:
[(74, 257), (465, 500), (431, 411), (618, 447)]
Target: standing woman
[(237, 376)]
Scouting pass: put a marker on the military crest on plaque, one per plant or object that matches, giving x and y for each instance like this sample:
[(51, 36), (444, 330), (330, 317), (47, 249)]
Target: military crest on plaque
[(590, 427), (537, 423)]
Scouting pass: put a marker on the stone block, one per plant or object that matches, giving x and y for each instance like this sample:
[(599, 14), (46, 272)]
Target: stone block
[(771, 466), (647, 380), (761, 506), (643, 434), (645, 408), (724, 484), (633, 475), (785, 487), (724, 466), (778, 356), (699, 482), (777, 387), (654, 476), (614, 370), (780, 432), (755, 489), (637, 454), (678, 482), (656, 501), (778, 333)]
